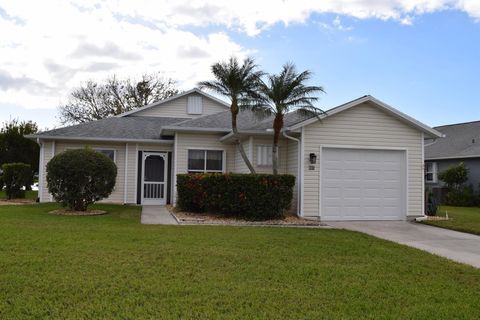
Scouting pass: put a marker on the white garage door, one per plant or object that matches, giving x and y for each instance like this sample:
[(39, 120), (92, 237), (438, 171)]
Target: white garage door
[(359, 184)]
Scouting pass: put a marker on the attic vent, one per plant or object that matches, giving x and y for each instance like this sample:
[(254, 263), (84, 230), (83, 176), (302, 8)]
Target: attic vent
[(194, 104)]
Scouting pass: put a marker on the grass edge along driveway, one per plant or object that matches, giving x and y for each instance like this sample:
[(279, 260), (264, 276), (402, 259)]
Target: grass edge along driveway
[(463, 219)]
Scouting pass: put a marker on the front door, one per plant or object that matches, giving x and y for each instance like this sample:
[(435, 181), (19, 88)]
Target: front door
[(154, 178)]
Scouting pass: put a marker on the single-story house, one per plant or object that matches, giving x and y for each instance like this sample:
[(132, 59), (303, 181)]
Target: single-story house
[(362, 160), (460, 144)]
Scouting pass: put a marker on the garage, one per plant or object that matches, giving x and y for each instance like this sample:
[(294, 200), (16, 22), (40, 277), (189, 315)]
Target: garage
[(362, 184)]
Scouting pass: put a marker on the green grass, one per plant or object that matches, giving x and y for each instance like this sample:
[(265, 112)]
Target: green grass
[(28, 195), (111, 267), (460, 219)]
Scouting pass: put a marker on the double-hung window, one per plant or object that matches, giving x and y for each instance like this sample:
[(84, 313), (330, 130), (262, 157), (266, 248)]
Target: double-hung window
[(264, 155), (205, 160), (108, 152), (431, 172)]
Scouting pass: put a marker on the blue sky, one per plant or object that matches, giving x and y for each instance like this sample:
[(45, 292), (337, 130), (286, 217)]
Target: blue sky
[(419, 58)]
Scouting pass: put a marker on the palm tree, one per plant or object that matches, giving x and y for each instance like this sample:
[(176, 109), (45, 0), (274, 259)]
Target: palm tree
[(283, 93), (239, 83)]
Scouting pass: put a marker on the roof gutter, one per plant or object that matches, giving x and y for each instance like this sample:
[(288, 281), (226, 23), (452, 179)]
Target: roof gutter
[(156, 141), (452, 158), (248, 133)]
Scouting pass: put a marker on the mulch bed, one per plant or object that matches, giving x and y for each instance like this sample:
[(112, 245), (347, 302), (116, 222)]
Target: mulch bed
[(437, 218), (215, 219), (66, 212), (5, 202)]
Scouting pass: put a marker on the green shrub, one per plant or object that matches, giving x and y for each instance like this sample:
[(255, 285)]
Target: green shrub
[(455, 176), (1, 182), (16, 176), (250, 196), (78, 178), (462, 197)]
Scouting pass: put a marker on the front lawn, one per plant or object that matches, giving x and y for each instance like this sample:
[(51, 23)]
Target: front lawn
[(460, 219), (111, 267)]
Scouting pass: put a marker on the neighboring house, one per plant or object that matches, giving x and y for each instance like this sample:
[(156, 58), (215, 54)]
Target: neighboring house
[(362, 160), (460, 144)]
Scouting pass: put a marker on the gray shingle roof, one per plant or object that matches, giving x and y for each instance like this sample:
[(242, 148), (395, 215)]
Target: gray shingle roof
[(462, 140), (137, 128), (247, 120)]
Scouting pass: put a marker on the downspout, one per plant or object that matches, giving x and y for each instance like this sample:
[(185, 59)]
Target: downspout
[(299, 175), (40, 171)]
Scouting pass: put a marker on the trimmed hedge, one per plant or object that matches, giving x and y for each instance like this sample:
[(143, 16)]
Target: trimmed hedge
[(250, 196), (16, 176), (78, 178)]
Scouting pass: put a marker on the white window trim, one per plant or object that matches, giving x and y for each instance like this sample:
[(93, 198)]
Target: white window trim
[(188, 105), (224, 162), (434, 172), (98, 149), (108, 149), (258, 146)]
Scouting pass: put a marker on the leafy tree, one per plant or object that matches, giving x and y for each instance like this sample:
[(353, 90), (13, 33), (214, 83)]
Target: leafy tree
[(95, 101), (15, 148), (283, 93), (16, 176), (78, 178), (238, 82), (455, 176)]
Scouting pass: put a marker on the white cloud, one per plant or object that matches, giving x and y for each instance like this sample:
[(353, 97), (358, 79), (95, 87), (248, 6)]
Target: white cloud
[(50, 46)]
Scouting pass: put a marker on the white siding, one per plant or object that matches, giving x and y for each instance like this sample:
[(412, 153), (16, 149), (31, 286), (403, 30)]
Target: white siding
[(282, 155), (292, 168), (363, 125), (194, 104), (118, 193), (47, 147), (177, 108), (240, 166), (187, 141)]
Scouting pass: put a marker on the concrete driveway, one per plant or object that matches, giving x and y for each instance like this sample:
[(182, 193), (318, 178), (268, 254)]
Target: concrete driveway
[(457, 246)]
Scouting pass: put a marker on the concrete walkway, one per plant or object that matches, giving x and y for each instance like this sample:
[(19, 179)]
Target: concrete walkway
[(457, 246), (156, 215)]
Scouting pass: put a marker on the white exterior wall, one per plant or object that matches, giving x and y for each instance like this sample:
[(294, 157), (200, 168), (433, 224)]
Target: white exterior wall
[(123, 157), (187, 141), (364, 126), (239, 165), (177, 108), (292, 168), (118, 193), (282, 155), (46, 154)]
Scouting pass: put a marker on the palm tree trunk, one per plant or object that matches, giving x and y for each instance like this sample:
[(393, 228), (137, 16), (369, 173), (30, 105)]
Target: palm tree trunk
[(236, 136), (277, 127)]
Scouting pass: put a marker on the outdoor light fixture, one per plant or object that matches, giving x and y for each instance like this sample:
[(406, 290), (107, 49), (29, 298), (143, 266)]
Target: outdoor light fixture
[(313, 158)]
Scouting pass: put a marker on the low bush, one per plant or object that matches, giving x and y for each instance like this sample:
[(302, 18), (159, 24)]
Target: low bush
[(78, 178), (250, 196), (16, 176), (461, 197)]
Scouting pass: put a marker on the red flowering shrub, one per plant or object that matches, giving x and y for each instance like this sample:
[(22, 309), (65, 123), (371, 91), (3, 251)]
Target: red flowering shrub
[(250, 196)]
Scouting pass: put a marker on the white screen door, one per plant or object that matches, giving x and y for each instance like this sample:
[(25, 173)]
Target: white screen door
[(154, 178)]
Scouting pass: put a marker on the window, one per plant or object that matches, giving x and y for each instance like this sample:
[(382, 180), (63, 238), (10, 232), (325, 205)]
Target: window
[(431, 172), (108, 152), (205, 161), (194, 104), (264, 155)]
